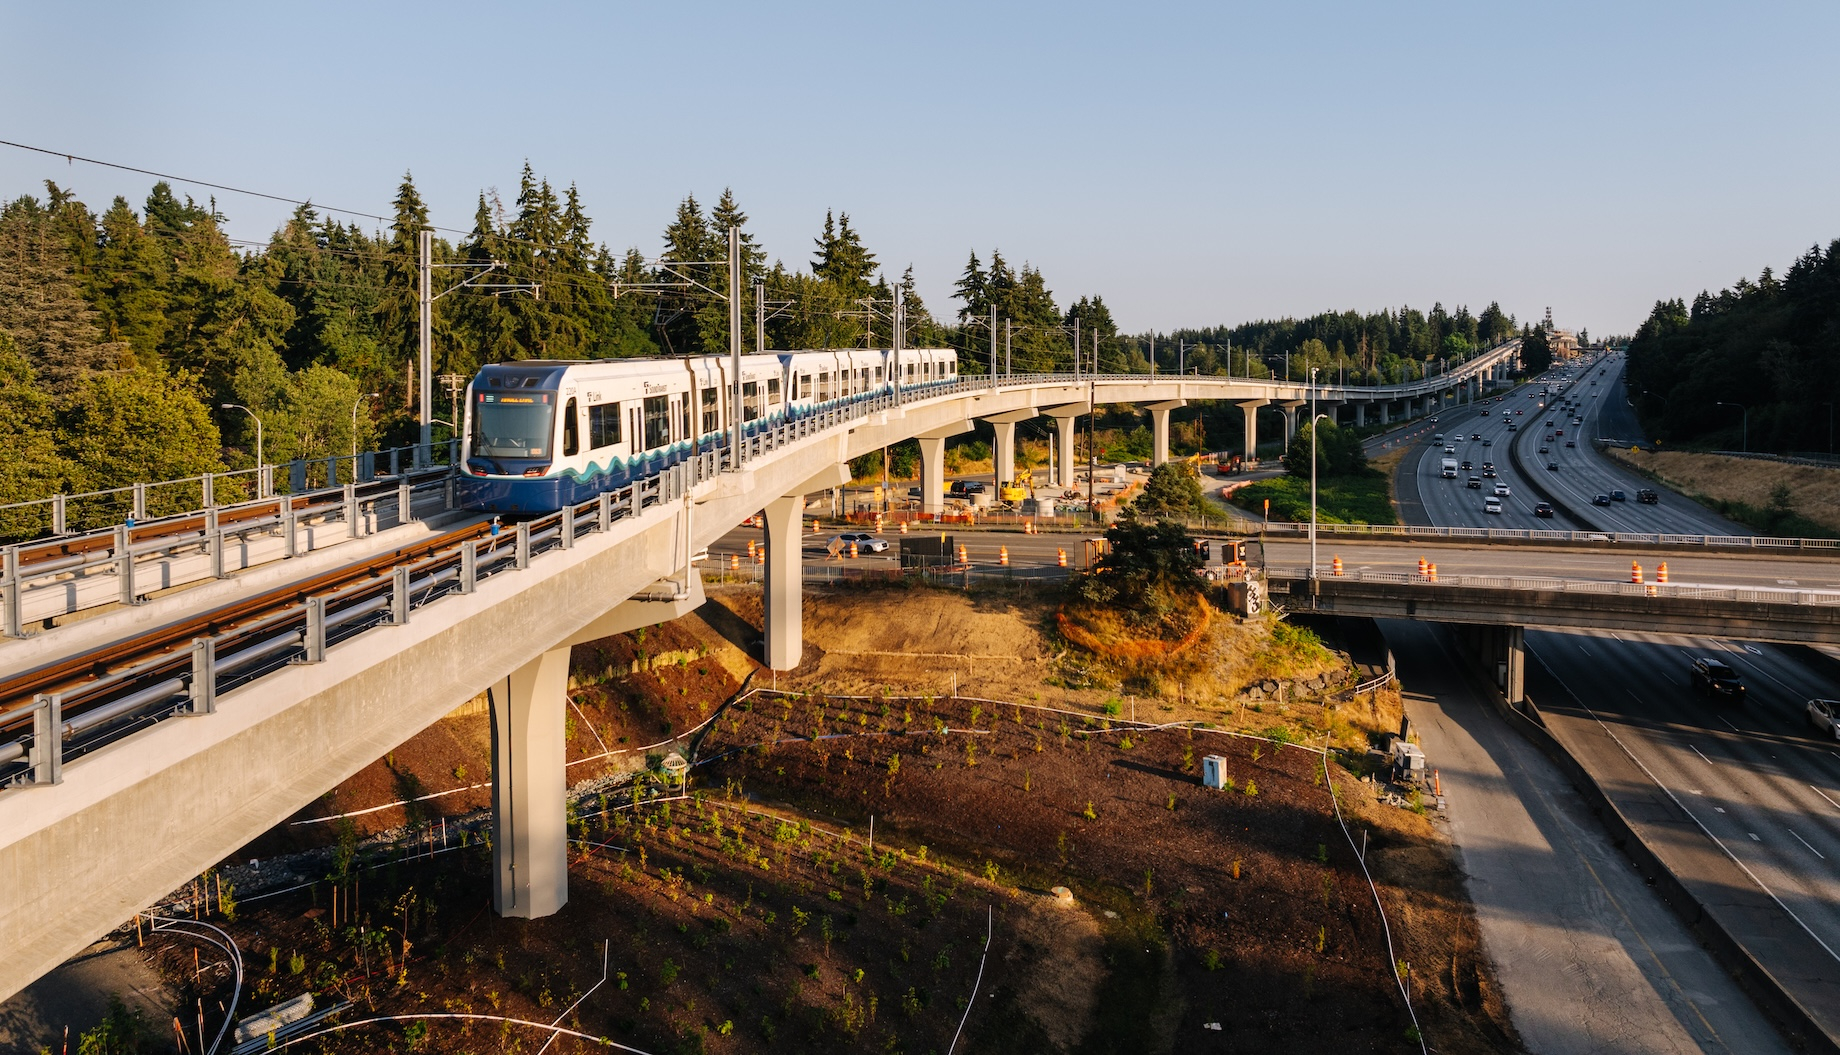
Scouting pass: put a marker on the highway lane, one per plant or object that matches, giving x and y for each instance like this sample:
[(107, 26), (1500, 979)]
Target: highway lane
[(1590, 960)]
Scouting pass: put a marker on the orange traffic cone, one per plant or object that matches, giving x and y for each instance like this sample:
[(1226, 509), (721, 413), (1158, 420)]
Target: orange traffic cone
[(1003, 555), (1635, 572), (1061, 557), (1661, 572), (1335, 566)]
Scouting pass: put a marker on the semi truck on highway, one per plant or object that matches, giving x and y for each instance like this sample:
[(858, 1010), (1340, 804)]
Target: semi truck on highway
[(1449, 466)]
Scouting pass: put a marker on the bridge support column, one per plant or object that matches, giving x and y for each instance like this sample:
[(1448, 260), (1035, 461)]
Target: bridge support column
[(782, 611), (530, 837), (1251, 409), (1290, 408), (1513, 669), (1386, 411), (1159, 429), (933, 465), (1360, 415), (1064, 417), (1004, 450)]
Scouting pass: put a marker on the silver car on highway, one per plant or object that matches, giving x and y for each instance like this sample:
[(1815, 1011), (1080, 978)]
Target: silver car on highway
[(1824, 715)]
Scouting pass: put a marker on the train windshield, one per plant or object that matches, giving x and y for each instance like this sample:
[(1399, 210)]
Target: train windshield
[(507, 426)]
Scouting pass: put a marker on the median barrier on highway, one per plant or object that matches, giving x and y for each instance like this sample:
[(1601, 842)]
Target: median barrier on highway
[(1792, 1018)]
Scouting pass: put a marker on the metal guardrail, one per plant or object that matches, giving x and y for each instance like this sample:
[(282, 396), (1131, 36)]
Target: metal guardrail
[(1542, 584), (63, 515), (1732, 543)]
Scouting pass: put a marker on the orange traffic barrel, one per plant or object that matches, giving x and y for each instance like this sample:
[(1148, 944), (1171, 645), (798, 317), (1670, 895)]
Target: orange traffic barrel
[(1431, 572), (1335, 566), (1061, 557), (1003, 555), (1424, 569), (852, 551), (814, 525), (750, 547), (1661, 572), (734, 562), (1635, 572)]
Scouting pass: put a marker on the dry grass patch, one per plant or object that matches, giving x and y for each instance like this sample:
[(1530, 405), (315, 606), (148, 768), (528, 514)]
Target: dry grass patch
[(1812, 493)]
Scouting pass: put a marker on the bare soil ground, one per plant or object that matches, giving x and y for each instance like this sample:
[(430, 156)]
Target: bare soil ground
[(1814, 492), (756, 916)]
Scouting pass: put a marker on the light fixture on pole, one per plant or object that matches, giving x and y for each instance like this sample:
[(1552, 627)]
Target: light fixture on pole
[(1745, 435), (258, 421), (354, 419)]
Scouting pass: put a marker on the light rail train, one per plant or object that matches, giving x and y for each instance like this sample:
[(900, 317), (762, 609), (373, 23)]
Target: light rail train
[(541, 434)]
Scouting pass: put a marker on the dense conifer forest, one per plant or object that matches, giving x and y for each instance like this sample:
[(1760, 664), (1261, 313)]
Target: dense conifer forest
[(123, 332)]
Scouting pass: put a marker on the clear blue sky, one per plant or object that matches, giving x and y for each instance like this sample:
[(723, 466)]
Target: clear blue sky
[(1194, 164)]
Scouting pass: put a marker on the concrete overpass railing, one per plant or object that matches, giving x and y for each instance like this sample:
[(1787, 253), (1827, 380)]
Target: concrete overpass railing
[(1599, 539)]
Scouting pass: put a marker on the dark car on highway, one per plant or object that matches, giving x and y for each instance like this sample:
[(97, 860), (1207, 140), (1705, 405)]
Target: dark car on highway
[(1544, 509), (965, 488), (1600, 500), (1618, 496), (1648, 497), (1554, 466), (1715, 680)]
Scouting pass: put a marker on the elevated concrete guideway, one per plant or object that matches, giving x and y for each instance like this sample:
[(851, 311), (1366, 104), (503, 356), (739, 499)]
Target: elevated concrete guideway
[(128, 822)]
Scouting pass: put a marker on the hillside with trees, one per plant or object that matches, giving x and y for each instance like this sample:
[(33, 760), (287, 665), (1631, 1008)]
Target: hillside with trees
[(124, 331), (1770, 346)]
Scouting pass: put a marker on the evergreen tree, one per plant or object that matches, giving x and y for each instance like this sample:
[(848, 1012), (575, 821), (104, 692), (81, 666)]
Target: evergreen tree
[(33, 467), (41, 306)]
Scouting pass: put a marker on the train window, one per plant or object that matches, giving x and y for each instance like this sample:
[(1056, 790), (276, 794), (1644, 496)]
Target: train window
[(603, 425), (878, 376), (657, 422), (750, 400), (571, 431), (804, 387), (711, 418), (824, 386), (772, 391), (512, 426), (683, 416)]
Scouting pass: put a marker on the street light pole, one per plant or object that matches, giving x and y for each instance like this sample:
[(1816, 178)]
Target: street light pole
[(258, 421), (1745, 434), (354, 420), (1313, 417)]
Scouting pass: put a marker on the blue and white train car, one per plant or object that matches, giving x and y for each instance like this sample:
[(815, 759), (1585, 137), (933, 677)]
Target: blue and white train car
[(540, 434)]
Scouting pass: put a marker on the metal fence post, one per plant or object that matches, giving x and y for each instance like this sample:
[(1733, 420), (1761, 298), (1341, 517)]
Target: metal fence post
[(216, 544), (351, 511), (265, 481), (405, 502), (60, 521), (297, 476), (469, 565), (313, 639), (447, 494), (289, 527), (204, 676), (210, 520), (399, 595), (124, 564), (523, 545), (568, 527), (15, 595), (332, 471), (208, 489), (140, 501), (395, 461), (47, 755), (605, 522), (638, 497), (367, 466)]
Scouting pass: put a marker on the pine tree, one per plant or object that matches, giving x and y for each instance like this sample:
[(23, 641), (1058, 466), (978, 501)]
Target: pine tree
[(972, 290), (41, 306), (32, 468)]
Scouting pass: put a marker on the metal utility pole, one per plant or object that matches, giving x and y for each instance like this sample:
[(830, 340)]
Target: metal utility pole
[(993, 347), (1181, 357), (425, 340), (897, 336), (1152, 353), (1312, 475), (760, 318), (1092, 450), (1009, 327), (1076, 354), (734, 335)]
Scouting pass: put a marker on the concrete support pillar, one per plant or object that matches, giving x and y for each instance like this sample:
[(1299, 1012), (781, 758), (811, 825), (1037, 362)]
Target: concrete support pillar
[(1251, 409), (530, 837), (1159, 429), (932, 474), (1360, 415), (1290, 408), (1004, 451), (785, 635), (1064, 419), (1386, 411), (1511, 665)]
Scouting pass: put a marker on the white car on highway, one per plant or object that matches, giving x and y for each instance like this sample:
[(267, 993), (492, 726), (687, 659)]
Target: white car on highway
[(1491, 504), (1825, 716), (865, 543), (1503, 490)]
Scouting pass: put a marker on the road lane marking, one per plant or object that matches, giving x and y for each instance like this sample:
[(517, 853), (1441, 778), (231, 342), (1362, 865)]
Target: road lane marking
[(1721, 809), (1702, 757), (1669, 792), (1825, 795), (1730, 726), (1804, 842), (1753, 836)]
